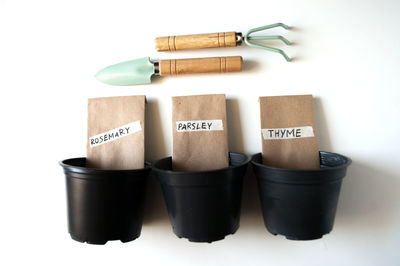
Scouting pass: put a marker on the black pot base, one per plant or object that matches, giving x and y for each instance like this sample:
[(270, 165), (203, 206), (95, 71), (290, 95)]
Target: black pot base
[(93, 242), (303, 239), (298, 238), (195, 240), (102, 241), (205, 240)]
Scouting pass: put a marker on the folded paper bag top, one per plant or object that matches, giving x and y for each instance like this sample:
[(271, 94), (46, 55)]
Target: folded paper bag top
[(288, 132), (199, 133), (116, 132)]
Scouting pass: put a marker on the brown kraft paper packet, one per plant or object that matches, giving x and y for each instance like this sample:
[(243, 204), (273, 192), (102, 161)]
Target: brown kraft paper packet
[(288, 132), (116, 132), (199, 133)]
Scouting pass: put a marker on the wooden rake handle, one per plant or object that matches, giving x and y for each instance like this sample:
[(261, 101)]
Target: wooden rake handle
[(196, 41), (200, 65)]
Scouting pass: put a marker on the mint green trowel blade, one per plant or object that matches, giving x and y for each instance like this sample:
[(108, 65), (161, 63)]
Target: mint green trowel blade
[(134, 72)]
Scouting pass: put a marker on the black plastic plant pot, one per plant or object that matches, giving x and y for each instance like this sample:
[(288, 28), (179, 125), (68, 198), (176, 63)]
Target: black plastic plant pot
[(203, 206), (300, 203), (104, 205)]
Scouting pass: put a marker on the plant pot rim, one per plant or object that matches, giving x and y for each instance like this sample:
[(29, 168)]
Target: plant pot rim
[(76, 166), (204, 172), (333, 168), (347, 162)]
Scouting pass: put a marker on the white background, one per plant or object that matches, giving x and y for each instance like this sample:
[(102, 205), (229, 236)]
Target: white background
[(346, 55)]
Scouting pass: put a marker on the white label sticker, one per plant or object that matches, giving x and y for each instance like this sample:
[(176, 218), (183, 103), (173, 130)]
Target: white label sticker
[(199, 125), (287, 133), (115, 134)]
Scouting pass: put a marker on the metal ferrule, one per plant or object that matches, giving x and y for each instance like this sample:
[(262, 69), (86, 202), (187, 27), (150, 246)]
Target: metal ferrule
[(239, 38), (156, 67)]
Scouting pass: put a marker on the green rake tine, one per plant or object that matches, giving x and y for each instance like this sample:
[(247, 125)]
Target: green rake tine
[(276, 50), (248, 39), (286, 27), (272, 37)]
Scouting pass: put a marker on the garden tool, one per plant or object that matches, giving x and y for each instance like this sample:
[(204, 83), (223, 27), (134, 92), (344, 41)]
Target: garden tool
[(222, 39), (141, 70)]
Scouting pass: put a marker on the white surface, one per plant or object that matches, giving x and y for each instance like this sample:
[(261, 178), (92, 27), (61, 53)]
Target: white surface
[(346, 55)]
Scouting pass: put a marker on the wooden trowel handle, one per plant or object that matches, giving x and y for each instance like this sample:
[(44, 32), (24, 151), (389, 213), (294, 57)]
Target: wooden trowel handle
[(197, 41), (200, 65)]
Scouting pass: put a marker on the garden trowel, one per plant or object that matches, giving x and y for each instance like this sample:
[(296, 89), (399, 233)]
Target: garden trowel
[(139, 71)]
